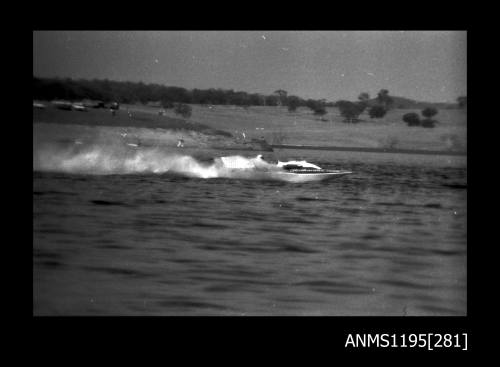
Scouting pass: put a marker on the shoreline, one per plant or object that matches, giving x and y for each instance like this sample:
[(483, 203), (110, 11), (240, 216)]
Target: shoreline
[(369, 150)]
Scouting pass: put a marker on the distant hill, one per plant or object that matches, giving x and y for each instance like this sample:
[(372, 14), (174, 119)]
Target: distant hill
[(408, 104)]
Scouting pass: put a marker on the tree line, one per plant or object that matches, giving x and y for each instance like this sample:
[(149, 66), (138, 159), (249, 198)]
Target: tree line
[(139, 92), (176, 97), (377, 107)]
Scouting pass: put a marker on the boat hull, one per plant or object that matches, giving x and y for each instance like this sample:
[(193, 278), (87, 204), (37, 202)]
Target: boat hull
[(307, 177)]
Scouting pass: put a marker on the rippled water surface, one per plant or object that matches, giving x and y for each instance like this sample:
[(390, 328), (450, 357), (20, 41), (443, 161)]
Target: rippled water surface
[(390, 239)]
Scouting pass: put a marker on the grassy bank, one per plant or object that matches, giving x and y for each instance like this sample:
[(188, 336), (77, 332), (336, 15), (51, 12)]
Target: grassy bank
[(135, 126), (278, 126), (122, 118)]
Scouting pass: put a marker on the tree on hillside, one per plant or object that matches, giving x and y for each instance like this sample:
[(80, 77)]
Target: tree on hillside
[(377, 112), (293, 102), (428, 113), (364, 97), (462, 101), (272, 100), (411, 119), (384, 99), (318, 107), (350, 110), (282, 94)]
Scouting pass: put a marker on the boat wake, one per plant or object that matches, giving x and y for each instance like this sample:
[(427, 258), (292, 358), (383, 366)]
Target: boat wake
[(106, 160)]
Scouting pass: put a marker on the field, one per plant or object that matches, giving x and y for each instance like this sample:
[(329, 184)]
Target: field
[(278, 126), (103, 117)]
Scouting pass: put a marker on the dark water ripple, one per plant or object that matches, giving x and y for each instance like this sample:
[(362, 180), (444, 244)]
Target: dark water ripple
[(388, 240)]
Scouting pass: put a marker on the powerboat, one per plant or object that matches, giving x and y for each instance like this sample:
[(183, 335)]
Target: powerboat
[(303, 171), (290, 171)]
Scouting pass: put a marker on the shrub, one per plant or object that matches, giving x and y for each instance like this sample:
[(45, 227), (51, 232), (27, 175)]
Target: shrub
[(429, 112), (412, 119), (183, 109), (377, 112), (166, 104), (320, 110), (428, 123)]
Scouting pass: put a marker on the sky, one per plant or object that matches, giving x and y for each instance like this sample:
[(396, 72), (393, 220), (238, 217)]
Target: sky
[(422, 65)]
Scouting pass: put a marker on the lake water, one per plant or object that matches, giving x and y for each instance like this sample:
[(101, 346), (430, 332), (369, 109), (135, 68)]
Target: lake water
[(389, 239)]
